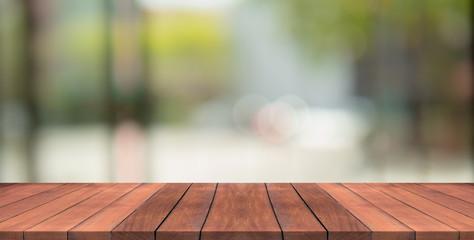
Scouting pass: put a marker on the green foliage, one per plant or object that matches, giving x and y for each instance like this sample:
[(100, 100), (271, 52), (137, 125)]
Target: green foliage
[(328, 26)]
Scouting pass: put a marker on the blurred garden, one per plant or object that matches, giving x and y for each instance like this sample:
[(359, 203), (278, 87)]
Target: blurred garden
[(236, 90)]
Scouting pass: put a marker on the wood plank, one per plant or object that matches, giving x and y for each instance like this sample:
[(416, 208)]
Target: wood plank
[(426, 227), (295, 218), (441, 198), (456, 220), (100, 225), (13, 193), (26, 204), (145, 220), (468, 187), (240, 212), (187, 219), (339, 223), (463, 193), (13, 228), (56, 227), (5, 184), (382, 225)]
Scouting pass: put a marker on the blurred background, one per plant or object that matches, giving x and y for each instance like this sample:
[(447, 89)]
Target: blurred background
[(236, 90)]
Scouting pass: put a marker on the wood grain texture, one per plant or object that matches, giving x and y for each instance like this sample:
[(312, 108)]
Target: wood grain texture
[(339, 223), (142, 223), (5, 184), (456, 220), (382, 225), (210, 211), (464, 193), (446, 200), (13, 227), (295, 218), (56, 227), (13, 193), (100, 225), (187, 219), (26, 204), (426, 227), (241, 211)]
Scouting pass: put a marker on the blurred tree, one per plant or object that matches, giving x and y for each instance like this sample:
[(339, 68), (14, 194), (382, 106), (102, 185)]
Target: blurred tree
[(189, 55), (127, 85), (33, 14), (404, 53), (128, 101)]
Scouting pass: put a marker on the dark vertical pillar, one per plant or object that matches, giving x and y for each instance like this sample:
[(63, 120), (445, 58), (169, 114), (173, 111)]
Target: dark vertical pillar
[(147, 102), (470, 109), (1, 82), (29, 82), (110, 107), (127, 72), (471, 102)]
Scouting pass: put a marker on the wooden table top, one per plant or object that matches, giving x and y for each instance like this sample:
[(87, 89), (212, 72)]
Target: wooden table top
[(241, 211)]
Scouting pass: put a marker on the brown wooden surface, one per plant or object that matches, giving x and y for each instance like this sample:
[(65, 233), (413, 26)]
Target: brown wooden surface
[(14, 193), (449, 201), (100, 225), (5, 184), (187, 219), (295, 218), (180, 211), (339, 223), (425, 226), (28, 203), (465, 192), (458, 221), (382, 225), (56, 227), (241, 211), (142, 223), (14, 227)]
